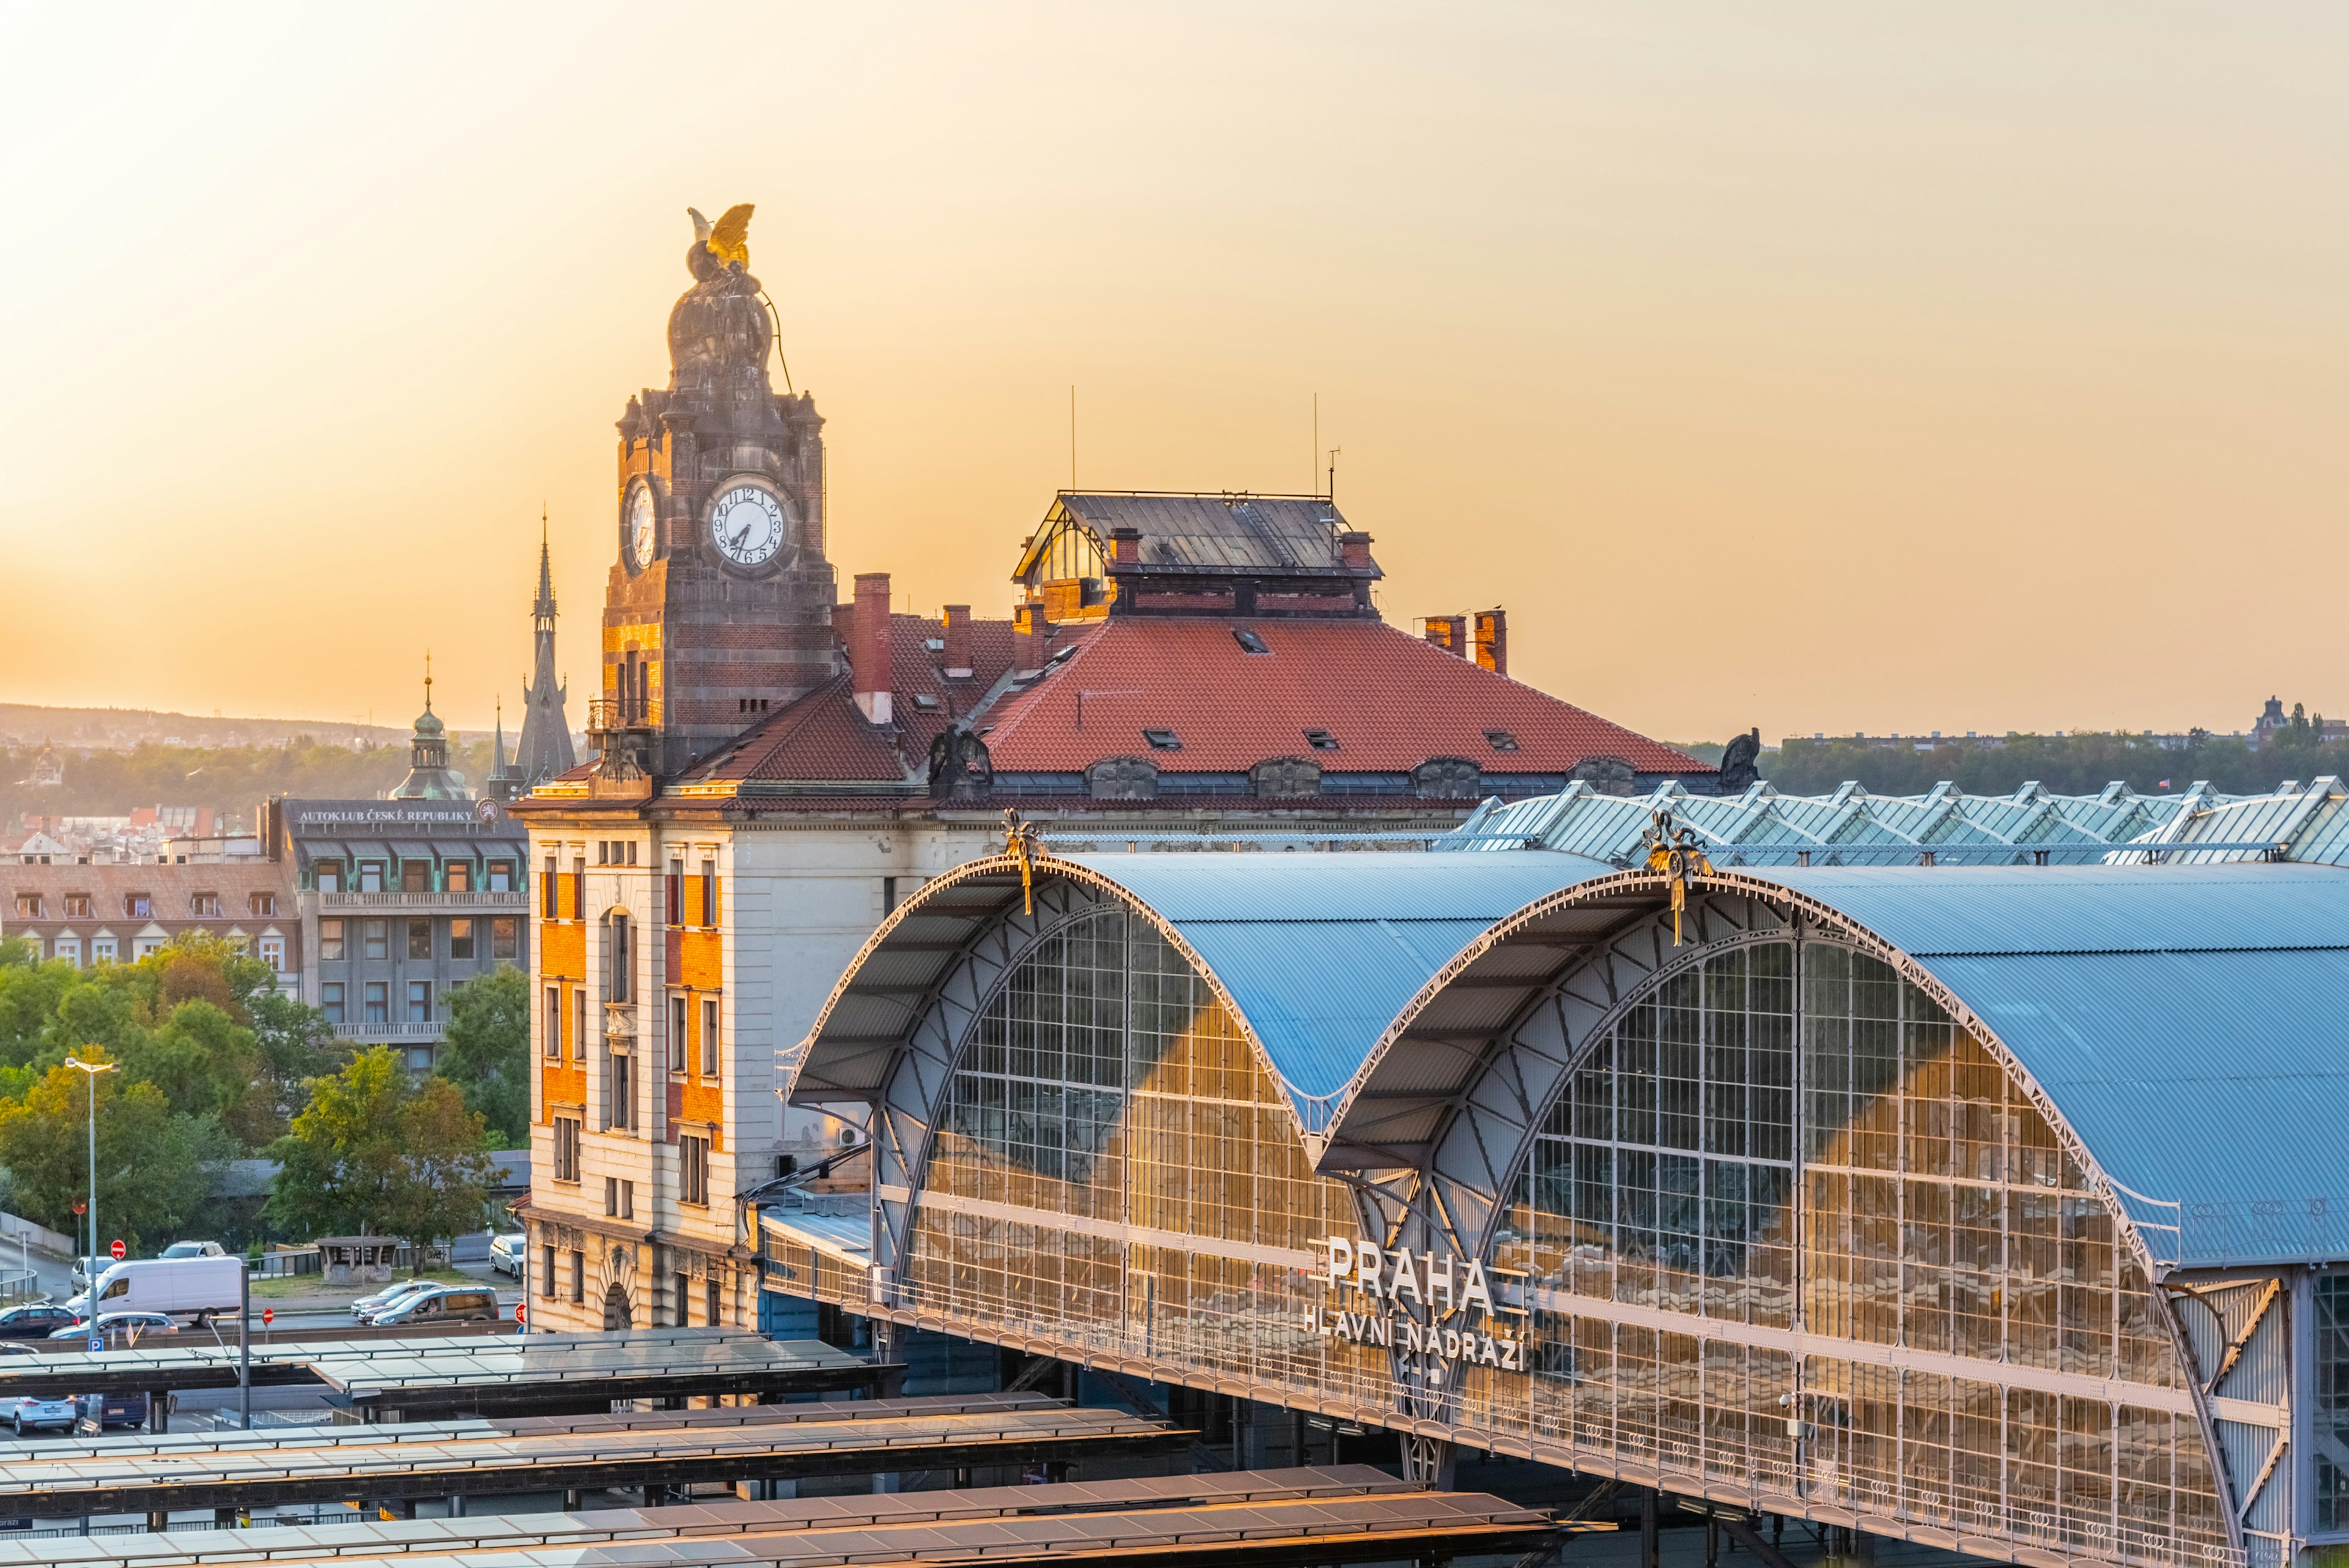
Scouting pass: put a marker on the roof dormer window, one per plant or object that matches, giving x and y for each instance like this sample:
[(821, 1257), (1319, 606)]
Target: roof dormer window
[(924, 702), (1321, 740), (1248, 640), (1501, 740), (1163, 740)]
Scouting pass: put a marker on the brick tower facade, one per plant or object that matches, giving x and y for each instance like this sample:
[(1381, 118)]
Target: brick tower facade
[(718, 608)]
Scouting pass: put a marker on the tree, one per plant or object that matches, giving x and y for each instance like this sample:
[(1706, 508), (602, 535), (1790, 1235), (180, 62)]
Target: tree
[(372, 1155), (155, 1166), (486, 1054)]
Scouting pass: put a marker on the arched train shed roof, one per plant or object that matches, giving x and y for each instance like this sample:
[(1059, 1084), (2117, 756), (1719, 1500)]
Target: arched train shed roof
[(2189, 1024)]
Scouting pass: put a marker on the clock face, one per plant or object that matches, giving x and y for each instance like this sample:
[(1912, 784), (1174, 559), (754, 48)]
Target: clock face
[(747, 523), (638, 526)]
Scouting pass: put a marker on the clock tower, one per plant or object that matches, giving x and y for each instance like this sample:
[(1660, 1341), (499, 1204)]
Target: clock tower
[(719, 605)]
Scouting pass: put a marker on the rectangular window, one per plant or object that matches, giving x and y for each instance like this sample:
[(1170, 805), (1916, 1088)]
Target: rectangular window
[(578, 1277), (204, 906), (505, 937), (69, 949), (77, 906), (330, 939), (416, 876), (566, 1148), (710, 1037), (693, 1180), (710, 1301), (377, 937), (553, 1044), (138, 906), (101, 950), (546, 1271), (618, 972), (263, 904), (681, 1289), (502, 876), (331, 1000), (28, 907), (709, 892), (611, 1197), (273, 952), (622, 1108), (419, 1001), (627, 1199), (460, 937), (419, 939), (379, 1002), (888, 896), (457, 876), (328, 877), (677, 1041), (674, 892), (371, 877), (579, 1022)]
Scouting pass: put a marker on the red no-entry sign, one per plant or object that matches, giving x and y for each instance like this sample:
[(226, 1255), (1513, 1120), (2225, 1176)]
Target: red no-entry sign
[(118, 1250), (521, 1311), (268, 1316)]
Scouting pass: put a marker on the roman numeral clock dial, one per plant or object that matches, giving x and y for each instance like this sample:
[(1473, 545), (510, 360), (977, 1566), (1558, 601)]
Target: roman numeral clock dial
[(749, 523)]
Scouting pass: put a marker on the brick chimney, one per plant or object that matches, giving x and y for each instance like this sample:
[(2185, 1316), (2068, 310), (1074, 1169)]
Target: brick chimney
[(1493, 640), (1354, 549), (1031, 636), (1448, 632), (1126, 546), (868, 646), (956, 622)]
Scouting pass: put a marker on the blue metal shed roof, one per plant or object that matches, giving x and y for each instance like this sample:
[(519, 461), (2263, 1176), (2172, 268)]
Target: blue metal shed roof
[(1321, 951)]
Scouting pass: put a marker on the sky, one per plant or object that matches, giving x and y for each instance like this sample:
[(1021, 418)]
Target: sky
[(1818, 367)]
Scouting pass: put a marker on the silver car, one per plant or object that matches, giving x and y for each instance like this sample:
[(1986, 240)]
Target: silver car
[(26, 1413), (506, 1253), (391, 1295)]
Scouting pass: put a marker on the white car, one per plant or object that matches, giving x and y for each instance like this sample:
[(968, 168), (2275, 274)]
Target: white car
[(389, 1297), (193, 1250), (506, 1253), (26, 1413)]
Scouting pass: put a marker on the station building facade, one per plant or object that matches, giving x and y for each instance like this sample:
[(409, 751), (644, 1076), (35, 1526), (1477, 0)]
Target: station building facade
[(1993, 1206)]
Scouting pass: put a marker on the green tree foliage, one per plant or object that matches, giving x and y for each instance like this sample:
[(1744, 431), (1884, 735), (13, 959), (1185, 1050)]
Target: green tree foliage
[(2082, 763), (156, 1165), (486, 1053), (200, 1020), (374, 1155), (230, 779)]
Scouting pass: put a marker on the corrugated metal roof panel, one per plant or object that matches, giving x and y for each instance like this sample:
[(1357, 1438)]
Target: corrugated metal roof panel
[(2084, 908), (2215, 1080)]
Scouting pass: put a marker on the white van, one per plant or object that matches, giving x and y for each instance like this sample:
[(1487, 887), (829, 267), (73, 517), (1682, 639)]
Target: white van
[(181, 1287)]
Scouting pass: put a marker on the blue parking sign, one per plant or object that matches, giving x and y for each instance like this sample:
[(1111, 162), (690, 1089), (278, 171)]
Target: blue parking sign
[(96, 1343)]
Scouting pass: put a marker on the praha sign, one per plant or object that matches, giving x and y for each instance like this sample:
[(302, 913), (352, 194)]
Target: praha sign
[(1453, 1287)]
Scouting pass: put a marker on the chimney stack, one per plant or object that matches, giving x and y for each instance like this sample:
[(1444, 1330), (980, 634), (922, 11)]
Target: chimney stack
[(1448, 632), (868, 646), (1126, 546), (957, 639), (1354, 549), (1492, 641), (1030, 637)]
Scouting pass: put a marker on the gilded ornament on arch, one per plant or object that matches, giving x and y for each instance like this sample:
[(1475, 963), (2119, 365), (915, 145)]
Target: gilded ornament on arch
[(728, 239)]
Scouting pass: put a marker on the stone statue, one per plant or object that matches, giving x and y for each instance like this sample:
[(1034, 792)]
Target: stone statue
[(1738, 771)]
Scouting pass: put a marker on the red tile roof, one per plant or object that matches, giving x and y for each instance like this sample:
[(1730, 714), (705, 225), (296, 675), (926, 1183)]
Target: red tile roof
[(1390, 700)]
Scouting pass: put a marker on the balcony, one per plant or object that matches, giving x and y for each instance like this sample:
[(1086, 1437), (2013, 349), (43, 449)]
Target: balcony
[(388, 1034), (469, 902)]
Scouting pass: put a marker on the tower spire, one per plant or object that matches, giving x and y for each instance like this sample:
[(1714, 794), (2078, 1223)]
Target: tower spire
[(543, 610), (543, 748)]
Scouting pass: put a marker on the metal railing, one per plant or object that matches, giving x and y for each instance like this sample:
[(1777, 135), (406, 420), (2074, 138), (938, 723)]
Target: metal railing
[(387, 1032), (623, 714), (459, 898)]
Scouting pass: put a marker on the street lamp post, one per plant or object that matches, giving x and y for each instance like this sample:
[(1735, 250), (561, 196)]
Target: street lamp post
[(93, 1069)]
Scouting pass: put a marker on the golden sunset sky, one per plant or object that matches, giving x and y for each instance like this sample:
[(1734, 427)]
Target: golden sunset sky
[(1812, 366)]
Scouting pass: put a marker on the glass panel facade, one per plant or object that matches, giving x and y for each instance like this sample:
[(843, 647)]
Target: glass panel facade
[(2331, 1420), (1932, 1212), (1112, 1168), (1787, 1224)]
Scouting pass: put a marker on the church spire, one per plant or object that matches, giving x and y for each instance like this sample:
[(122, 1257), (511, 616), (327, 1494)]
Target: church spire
[(543, 750)]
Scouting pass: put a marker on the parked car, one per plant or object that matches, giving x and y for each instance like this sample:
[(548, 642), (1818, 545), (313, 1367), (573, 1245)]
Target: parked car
[(36, 1320), (87, 1269), (27, 1413), (104, 1411), (506, 1253), (382, 1301), (184, 1287), (120, 1327), (193, 1250), (442, 1304)]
